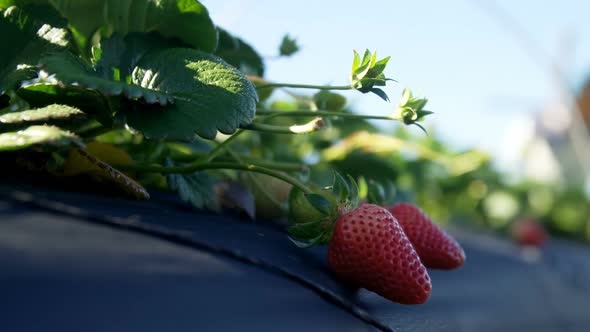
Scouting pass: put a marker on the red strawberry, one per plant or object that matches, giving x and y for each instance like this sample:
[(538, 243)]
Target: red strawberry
[(369, 248), (437, 249), (529, 232)]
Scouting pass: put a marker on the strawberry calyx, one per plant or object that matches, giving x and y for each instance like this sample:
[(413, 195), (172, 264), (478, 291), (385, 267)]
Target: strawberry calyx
[(313, 215), (410, 109), (367, 74)]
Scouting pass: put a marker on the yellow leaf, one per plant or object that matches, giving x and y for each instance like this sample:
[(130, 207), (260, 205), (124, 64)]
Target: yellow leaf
[(109, 153)]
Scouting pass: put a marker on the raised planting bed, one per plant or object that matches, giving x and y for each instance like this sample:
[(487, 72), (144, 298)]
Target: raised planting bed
[(80, 262)]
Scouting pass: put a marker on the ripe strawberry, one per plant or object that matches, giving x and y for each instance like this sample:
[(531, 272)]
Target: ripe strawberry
[(437, 249), (369, 248), (529, 232)]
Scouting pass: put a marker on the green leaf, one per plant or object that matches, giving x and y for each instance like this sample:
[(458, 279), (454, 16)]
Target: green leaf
[(308, 244), (108, 57), (186, 20), (4, 101), (340, 187), (288, 46), (308, 230), (11, 79), (40, 10), (196, 188), (239, 54), (410, 109), (376, 193), (422, 113), (37, 135), (89, 101), (380, 93), (44, 12), (320, 203), (354, 190), (116, 56), (380, 65), (29, 39), (366, 58), (365, 65), (208, 94), (300, 209), (70, 69), (6, 3), (52, 114), (406, 96), (356, 61)]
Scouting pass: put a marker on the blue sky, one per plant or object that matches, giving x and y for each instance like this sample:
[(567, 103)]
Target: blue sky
[(478, 77)]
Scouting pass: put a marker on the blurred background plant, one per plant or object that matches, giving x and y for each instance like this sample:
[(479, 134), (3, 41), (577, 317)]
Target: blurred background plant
[(510, 134), (453, 186)]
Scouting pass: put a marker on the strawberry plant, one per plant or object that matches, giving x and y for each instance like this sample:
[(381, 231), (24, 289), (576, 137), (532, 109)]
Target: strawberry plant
[(169, 91), (124, 96)]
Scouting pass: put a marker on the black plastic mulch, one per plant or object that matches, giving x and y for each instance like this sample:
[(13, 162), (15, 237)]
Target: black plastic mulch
[(79, 262)]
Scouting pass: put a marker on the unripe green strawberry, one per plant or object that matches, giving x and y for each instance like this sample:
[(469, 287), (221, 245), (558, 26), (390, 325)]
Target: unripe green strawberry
[(279, 190), (368, 248), (330, 101), (437, 249)]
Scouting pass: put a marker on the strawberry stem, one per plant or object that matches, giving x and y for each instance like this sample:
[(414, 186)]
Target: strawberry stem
[(219, 148), (309, 127), (276, 165), (304, 86), (200, 166), (298, 113)]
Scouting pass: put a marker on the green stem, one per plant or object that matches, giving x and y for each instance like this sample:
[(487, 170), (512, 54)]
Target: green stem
[(278, 165), (274, 113), (304, 86), (200, 166), (219, 148), (313, 125)]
